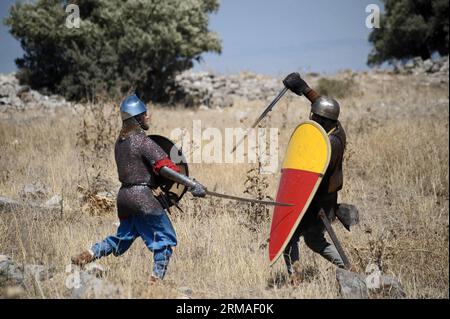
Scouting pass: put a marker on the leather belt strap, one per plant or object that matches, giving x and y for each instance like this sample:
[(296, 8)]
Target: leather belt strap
[(136, 184)]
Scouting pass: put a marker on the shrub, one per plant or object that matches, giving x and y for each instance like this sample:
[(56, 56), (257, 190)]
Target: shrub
[(410, 28), (335, 88), (120, 45)]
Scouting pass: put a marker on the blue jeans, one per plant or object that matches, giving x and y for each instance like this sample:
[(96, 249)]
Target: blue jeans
[(155, 229)]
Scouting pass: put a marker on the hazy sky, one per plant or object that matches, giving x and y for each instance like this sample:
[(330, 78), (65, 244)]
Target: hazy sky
[(269, 36)]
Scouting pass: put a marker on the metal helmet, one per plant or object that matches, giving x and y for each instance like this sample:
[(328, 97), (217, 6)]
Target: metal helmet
[(131, 106), (326, 107)]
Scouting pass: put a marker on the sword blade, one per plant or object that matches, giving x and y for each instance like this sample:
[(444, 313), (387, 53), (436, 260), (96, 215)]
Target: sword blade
[(248, 200), (334, 238), (263, 114)]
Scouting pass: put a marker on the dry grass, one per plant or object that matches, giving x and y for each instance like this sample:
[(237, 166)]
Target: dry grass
[(396, 172)]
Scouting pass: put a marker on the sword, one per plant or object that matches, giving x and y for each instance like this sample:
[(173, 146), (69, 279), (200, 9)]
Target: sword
[(263, 114), (248, 200), (334, 238)]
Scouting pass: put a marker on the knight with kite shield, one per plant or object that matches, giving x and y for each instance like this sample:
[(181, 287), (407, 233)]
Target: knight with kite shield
[(311, 177)]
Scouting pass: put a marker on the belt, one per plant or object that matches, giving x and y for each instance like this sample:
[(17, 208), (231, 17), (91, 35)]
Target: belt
[(136, 184)]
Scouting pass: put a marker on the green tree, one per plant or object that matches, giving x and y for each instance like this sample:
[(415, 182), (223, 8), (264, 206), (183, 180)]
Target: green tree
[(410, 28), (120, 45)]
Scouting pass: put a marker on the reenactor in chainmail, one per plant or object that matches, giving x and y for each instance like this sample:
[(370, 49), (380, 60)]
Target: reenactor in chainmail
[(325, 111), (139, 161)]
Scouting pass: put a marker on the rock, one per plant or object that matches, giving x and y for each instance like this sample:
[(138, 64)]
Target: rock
[(95, 270), (417, 62), (409, 65), (8, 204), (7, 90), (23, 89), (434, 67), (11, 278), (203, 88), (33, 191), (393, 286), (221, 101), (55, 201), (39, 272), (399, 68), (351, 285), (16, 97), (26, 97), (85, 285), (444, 67), (234, 86), (10, 273), (428, 65), (12, 102), (390, 286)]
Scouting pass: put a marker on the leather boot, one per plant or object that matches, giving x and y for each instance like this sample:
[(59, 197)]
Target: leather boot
[(82, 259), (154, 280)]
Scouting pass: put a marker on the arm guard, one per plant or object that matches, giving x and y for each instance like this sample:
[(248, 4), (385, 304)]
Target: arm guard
[(176, 177), (165, 162)]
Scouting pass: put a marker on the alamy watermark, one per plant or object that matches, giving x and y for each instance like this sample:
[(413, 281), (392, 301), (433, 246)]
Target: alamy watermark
[(373, 19), (73, 19), (73, 279), (213, 146), (373, 280)]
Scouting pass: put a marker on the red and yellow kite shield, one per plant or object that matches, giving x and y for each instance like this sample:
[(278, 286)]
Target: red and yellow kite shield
[(306, 160)]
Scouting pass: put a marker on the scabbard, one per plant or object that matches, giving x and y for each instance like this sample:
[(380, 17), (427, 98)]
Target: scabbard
[(334, 238)]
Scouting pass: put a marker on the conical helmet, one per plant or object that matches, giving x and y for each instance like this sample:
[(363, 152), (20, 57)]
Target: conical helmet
[(131, 106)]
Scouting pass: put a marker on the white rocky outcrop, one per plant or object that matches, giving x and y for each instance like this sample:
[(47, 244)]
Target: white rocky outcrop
[(418, 66), (16, 97), (211, 90)]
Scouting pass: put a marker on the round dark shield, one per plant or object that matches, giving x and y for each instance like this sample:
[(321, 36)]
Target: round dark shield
[(172, 192)]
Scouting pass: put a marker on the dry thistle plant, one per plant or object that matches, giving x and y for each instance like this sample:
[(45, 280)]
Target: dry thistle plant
[(256, 186), (95, 141)]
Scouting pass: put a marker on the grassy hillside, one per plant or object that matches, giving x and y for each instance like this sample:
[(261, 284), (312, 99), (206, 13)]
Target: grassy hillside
[(396, 172)]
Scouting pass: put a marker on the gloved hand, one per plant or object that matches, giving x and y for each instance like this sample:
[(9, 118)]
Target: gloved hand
[(296, 84), (198, 190)]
